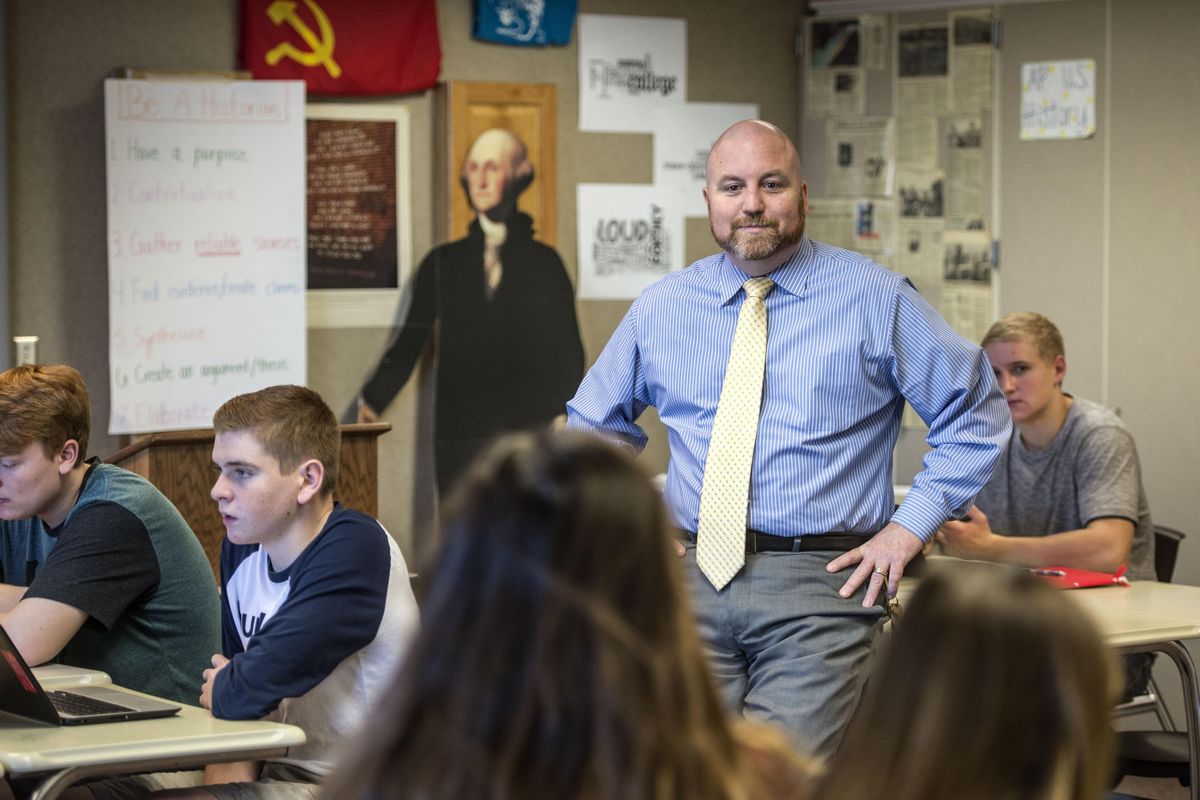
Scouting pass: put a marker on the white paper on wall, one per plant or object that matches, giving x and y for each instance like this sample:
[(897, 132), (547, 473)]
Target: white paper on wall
[(1058, 99), (206, 246), (627, 67), (683, 135), (630, 235)]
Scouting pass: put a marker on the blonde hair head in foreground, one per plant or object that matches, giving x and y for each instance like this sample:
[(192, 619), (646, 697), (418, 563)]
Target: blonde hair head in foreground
[(994, 687)]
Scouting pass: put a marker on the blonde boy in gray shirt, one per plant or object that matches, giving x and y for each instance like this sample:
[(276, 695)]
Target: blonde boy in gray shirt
[(1068, 489)]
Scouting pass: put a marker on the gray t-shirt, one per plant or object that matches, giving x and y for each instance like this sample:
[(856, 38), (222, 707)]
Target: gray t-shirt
[(1090, 471)]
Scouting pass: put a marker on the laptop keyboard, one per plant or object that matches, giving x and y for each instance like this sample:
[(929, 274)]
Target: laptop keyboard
[(80, 706)]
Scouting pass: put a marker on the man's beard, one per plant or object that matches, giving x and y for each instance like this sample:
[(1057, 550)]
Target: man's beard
[(760, 245)]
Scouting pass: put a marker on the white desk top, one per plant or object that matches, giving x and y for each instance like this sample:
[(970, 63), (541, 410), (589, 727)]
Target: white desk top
[(1143, 612), (192, 737)]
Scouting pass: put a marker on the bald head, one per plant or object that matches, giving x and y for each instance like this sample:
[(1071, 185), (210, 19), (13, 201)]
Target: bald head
[(751, 134), (756, 197), (496, 141)]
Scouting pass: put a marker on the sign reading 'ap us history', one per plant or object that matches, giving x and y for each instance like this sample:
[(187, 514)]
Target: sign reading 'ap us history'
[(628, 66), (205, 246), (1058, 100)]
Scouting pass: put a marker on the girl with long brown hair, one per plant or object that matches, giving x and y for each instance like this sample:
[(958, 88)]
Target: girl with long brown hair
[(557, 657)]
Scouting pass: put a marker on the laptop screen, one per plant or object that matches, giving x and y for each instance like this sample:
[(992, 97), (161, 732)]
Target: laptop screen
[(20, 692)]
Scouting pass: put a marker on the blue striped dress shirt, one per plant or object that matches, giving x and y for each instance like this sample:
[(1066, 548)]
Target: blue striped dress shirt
[(847, 342)]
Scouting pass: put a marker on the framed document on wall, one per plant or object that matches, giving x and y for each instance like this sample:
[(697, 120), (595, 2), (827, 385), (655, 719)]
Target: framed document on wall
[(359, 219)]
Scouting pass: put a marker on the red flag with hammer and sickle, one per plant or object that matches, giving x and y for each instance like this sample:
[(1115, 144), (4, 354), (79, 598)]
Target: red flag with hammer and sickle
[(344, 47)]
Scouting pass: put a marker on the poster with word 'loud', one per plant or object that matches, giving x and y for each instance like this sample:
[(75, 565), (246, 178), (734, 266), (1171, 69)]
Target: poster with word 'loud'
[(206, 246), (630, 235)]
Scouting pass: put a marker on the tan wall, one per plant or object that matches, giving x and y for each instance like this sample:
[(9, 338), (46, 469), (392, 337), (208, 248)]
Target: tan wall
[(60, 51), (1100, 235)]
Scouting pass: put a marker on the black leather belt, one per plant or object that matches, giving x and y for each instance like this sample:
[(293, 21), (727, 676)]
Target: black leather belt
[(759, 542)]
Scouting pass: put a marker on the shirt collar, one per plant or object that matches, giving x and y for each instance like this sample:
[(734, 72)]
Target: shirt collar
[(493, 232), (791, 276)]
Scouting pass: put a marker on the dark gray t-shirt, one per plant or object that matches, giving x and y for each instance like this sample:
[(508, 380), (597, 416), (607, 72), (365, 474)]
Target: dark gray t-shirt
[(1090, 471), (126, 557)]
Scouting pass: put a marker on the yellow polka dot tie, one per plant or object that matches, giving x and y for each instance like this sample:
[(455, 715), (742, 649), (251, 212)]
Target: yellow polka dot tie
[(725, 493)]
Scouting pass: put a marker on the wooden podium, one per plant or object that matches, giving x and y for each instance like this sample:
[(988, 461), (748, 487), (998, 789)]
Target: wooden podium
[(180, 464)]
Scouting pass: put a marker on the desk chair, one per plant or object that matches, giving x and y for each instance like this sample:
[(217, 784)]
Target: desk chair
[(1155, 754)]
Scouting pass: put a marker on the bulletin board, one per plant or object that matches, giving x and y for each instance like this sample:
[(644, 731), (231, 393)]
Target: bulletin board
[(897, 148), (896, 118)]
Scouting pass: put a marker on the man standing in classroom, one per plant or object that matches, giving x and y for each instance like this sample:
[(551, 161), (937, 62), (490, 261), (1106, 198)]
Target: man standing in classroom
[(780, 368)]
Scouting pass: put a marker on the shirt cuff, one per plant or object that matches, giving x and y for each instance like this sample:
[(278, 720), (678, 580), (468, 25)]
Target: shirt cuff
[(920, 515), (628, 442)]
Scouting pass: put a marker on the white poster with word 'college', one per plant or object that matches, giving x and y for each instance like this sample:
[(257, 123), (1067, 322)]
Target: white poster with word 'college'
[(627, 67), (206, 246), (630, 235)]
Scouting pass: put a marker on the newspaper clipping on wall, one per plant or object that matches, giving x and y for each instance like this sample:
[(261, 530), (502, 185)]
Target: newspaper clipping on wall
[(919, 252), (835, 77), (964, 173), (922, 80), (859, 157), (863, 224), (971, 61), (917, 141)]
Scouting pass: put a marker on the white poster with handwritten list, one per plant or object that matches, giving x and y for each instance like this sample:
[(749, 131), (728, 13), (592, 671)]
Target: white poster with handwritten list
[(1058, 99), (206, 246)]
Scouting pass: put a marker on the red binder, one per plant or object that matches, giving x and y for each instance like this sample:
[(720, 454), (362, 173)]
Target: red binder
[(1070, 578)]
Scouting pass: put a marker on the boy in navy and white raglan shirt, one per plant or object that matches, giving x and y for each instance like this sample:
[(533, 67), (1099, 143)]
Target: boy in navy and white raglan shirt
[(317, 607), (316, 604)]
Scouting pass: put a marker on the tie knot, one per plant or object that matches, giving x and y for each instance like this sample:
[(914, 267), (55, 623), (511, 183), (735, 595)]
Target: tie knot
[(758, 287)]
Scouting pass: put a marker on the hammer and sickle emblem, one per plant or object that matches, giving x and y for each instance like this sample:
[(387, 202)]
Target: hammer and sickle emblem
[(321, 52)]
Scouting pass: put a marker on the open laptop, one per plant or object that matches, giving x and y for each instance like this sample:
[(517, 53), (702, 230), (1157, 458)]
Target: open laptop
[(22, 696)]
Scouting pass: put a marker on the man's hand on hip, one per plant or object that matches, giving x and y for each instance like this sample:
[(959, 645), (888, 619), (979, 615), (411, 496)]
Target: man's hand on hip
[(881, 561)]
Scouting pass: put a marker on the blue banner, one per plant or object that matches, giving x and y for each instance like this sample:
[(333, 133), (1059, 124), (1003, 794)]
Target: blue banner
[(524, 22)]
